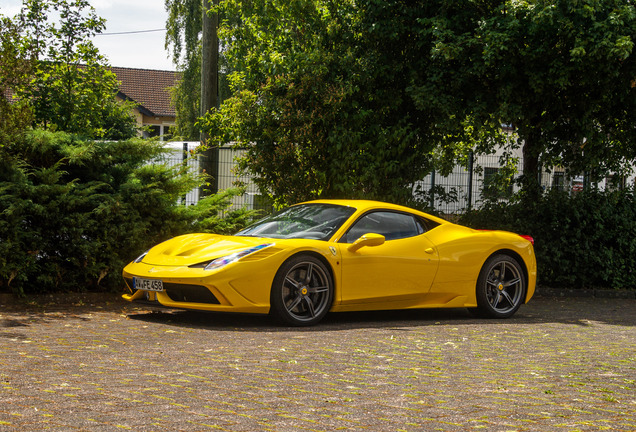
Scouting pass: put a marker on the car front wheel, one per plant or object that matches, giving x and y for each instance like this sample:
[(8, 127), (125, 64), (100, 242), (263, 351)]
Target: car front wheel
[(302, 291), (501, 287)]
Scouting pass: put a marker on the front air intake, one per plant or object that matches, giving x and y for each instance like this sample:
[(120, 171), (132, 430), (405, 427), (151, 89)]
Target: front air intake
[(189, 293)]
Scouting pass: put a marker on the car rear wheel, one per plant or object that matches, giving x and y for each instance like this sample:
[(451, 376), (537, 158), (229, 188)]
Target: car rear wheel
[(302, 291), (501, 287)]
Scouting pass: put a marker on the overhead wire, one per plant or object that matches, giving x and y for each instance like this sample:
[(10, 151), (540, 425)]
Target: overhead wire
[(130, 32)]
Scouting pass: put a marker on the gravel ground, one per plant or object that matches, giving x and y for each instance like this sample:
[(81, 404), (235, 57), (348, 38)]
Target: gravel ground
[(100, 364)]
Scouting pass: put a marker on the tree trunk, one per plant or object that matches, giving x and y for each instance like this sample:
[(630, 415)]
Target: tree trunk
[(210, 91), (531, 189)]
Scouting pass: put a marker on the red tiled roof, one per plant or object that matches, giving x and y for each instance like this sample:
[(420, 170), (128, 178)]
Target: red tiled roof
[(149, 88)]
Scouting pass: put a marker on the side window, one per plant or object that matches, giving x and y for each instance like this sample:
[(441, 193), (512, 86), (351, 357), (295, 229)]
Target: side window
[(389, 224)]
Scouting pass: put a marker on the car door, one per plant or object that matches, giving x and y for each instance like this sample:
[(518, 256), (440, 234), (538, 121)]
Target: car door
[(401, 269)]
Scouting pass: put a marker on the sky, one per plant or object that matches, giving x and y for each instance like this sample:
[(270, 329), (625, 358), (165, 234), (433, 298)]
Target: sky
[(138, 50)]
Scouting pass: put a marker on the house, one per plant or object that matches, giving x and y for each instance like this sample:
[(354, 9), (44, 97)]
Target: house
[(150, 89)]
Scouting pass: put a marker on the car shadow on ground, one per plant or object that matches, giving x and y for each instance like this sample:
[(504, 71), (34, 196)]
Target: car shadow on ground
[(580, 312)]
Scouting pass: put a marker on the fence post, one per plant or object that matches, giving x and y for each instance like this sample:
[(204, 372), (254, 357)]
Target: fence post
[(184, 162), (471, 157), (432, 198)]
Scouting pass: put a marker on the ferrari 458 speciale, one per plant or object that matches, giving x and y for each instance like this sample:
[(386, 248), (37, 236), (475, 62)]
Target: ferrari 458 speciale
[(339, 255)]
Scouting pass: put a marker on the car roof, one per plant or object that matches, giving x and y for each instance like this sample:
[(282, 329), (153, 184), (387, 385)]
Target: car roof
[(362, 206)]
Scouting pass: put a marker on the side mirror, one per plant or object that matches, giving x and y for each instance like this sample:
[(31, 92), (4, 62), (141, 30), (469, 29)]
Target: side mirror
[(366, 240)]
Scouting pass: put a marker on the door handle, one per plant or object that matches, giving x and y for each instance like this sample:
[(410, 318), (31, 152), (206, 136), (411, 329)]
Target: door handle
[(429, 251)]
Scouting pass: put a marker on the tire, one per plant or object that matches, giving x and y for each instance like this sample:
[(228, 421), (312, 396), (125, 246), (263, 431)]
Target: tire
[(302, 291), (501, 287)]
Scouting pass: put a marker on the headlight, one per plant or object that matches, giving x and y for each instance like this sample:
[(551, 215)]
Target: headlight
[(223, 261), (141, 257)]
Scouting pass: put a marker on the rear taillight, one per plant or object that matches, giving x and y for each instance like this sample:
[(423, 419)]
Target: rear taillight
[(527, 237)]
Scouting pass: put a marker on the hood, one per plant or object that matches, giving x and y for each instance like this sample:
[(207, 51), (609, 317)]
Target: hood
[(192, 249)]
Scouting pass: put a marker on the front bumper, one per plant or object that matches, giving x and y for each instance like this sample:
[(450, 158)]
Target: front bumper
[(244, 290)]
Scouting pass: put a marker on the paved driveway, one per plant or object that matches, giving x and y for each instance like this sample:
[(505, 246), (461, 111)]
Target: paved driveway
[(558, 365)]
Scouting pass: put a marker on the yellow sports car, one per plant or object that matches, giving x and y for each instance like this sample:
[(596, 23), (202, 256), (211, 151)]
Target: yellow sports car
[(339, 255)]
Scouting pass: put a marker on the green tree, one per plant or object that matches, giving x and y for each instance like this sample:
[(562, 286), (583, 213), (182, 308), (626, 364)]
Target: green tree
[(344, 98), (184, 30), (16, 68), (321, 107), (72, 89), (561, 73), (184, 26)]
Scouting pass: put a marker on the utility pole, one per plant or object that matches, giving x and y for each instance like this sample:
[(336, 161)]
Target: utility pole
[(210, 90)]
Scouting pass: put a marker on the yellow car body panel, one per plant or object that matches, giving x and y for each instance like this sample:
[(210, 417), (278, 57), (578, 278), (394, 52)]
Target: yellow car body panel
[(241, 286), (436, 268)]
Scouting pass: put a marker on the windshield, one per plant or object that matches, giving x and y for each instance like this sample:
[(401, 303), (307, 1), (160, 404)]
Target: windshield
[(305, 221)]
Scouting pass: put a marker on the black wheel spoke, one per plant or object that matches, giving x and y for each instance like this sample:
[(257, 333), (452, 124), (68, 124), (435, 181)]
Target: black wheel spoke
[(295, 303), (505, 295), (494, 298), (310, 307), (309, 272), (515, 281), (318, 290), (491, 282), (292, 282)]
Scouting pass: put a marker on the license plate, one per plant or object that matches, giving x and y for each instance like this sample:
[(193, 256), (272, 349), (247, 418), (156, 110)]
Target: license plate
[(147, 284)]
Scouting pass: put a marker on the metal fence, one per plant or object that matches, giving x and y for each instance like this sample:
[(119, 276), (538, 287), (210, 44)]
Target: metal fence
[(486, 179), (464, 188), (184, 153)]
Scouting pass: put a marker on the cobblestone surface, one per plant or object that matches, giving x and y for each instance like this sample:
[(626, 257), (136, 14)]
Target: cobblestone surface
[(558, 365)]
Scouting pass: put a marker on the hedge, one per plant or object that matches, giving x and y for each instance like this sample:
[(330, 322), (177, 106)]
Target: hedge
[(74, 212), (583, 240)]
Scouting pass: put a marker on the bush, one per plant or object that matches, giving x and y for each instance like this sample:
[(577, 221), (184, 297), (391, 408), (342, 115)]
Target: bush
[(73, 212), (587, 240)]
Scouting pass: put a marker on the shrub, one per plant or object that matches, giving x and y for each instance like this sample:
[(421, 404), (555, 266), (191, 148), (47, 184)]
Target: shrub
[(73, 212), (585, 240)]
